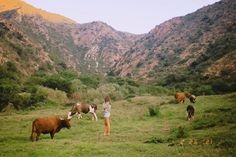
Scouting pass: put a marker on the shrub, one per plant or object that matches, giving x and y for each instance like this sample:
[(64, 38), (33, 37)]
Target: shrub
[(57, 96), (8, 91), (205, 122), (177, 133), (35, 80), (202, 90), (130, 96), (114, 90), (154, 111), (38, 95), (90, 81), (155, 140), (22, 100), (157, 90), (69, 75), (9, 71), (56, 82)]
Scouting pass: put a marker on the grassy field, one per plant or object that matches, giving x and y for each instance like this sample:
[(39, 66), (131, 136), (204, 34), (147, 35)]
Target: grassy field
[(134, 132)]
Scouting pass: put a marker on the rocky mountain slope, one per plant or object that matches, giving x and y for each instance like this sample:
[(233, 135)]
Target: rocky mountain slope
[(90, 47), (18, 49), (199, 45), (201, 42)]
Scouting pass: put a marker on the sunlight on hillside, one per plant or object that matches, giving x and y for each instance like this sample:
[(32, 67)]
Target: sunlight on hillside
[(23, 8)]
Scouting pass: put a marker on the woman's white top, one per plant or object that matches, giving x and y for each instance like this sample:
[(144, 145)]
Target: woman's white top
[(107, 110)]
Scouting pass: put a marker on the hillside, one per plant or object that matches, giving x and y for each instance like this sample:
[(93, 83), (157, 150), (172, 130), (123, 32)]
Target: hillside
[(100, 46), (18, 50), (26, 9), (194, 53), (179, 44), (90, 47), (201, 42)]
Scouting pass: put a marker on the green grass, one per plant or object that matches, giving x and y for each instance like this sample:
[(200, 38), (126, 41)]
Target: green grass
[(133, 131)]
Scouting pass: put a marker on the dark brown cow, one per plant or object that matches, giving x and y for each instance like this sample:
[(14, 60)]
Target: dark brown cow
[(190, 111), (180, 97), (79, 108), (47, 125)]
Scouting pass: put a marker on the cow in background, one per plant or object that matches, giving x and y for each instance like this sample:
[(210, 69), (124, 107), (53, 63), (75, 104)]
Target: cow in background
[(79, 108), (190, 112), (180, 97)]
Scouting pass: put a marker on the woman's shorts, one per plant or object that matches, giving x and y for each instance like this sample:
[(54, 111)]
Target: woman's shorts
[(106, 114)]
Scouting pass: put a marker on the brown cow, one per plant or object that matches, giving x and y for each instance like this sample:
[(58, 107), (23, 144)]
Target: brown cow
[(180, 97), (47, 125), (79, 108)]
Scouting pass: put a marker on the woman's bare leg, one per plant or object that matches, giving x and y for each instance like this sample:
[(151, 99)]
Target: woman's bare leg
[(106, 126)]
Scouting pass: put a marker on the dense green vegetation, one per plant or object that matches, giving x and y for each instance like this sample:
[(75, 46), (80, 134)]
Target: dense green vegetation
[(22, 92)]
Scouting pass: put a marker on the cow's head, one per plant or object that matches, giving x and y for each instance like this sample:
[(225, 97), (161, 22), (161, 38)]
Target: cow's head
[(94, 106), (65, 123), (192, 98)]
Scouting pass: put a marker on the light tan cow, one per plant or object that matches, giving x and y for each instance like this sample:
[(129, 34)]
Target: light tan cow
[(180, 97)]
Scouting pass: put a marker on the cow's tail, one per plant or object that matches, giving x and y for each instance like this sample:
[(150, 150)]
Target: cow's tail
[(32, 137)]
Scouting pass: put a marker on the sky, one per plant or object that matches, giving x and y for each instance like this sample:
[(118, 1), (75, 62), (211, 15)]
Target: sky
[(133, 16)]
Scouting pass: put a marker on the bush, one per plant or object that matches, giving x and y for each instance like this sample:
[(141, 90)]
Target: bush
[(203, 90), (8, 91), (157, 90), (205, 122), (221, 86), (177, 133), (69, 75), (114, 90), (22, 100), (38, 96), (57, 82), (154, 111), (155, 140), (90, 81), (57, 96), (9, 71)]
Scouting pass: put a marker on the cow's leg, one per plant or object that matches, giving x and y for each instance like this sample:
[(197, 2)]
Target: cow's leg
[(94, 117), (37, 137), (32, 137), (52, 135), (79, 116), (92, 110)]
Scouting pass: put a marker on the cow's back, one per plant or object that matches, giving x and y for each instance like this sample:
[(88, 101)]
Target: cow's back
[(46, 125), (84, 108), (180, 96)]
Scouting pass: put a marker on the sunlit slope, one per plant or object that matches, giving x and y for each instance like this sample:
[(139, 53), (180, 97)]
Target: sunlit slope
[(26, 9)]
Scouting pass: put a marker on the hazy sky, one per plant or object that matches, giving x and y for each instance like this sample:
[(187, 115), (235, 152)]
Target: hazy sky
[(134, 16)]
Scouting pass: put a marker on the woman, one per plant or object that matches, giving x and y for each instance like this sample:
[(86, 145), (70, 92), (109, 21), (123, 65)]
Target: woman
[(106, 115)]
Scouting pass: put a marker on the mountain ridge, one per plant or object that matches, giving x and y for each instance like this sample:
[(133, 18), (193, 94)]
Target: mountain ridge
[(179, 46)]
